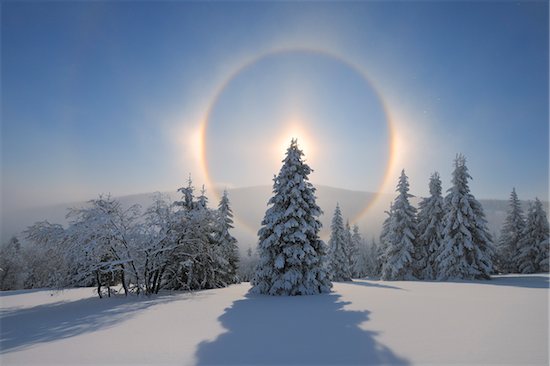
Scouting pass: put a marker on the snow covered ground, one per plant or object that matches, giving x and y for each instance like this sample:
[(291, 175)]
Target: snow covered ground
[(500, 321)]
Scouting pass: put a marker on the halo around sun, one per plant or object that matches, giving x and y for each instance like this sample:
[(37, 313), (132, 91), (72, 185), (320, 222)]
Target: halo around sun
[(295, 125)]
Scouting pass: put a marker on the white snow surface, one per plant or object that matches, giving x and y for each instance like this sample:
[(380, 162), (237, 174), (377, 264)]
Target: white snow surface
[(504, 320)]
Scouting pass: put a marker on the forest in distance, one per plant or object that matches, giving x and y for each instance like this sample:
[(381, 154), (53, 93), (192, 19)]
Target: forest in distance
[(186, 245)]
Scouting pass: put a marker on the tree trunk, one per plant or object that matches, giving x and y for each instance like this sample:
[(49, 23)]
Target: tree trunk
[(158, 279), (124, 282), (98, 284)]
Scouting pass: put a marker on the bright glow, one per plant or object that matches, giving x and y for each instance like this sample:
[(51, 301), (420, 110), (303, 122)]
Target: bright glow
[(295, 131), (295, 128)]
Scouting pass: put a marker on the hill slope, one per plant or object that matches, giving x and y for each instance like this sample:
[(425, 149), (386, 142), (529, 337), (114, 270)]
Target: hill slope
[(249, 205)]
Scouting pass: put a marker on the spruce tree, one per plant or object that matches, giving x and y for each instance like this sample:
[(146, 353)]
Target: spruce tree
[(467, 248), (430, 229), (227, 242), (339, 239), (384, 239), (510, 236), (292, 256), (188, 196), (371, 255), (401, 236), (356, 243), (532, 256)]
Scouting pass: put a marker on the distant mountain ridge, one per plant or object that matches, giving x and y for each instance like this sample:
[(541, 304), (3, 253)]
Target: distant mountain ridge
[(249, 205)]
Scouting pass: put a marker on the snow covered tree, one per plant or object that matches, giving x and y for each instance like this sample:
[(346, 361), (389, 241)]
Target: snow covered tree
[(430, 230), (197, 261), (158, 243), (227, 242), (292, 257), (202, 200), (45, 256), (355, 253), (384, 239), (188, 200), (512, 231), (532, 254), (339, 240), (401, 236), (101, 243), (467, 248), (247, 265), (11, 265), (371, 255)]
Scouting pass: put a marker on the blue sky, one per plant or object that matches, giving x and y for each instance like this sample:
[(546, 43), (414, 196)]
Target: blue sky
[(108, 97)]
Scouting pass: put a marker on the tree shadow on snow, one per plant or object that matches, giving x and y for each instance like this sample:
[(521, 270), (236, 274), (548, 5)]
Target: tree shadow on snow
[(294, 330), (22, 328), (527, 281), (373, 284)]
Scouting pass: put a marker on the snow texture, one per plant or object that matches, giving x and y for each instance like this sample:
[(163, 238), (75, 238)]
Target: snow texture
[(503, 321)]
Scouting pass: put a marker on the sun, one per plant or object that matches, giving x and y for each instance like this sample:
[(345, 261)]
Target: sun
[(295, 130)]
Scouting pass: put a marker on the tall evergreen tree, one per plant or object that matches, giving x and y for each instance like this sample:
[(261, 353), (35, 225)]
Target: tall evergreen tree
[(339, 238), (292, 256), (402, 235), (430, 229), (510, 236), (227, 242), (467, 248), (532, 255)]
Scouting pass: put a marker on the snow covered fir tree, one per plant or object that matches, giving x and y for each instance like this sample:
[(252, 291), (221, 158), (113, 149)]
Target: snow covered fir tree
[(401, 237), (228, 243), (340, 268), (430, 229), (510, 236), (467, 249), (532, 251), (292, 257), (357, 261)]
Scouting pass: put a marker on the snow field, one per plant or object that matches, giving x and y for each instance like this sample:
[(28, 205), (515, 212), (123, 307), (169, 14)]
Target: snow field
[(504, 320)]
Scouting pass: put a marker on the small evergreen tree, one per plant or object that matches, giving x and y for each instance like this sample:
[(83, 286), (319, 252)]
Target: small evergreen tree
[(228, 243), (532, 255), (430, 229), (510, 236), (339, 240), (371, 259), (401, 236), (355, 258), (292, 257), (384, 239), (188, 196), (202, 200), (467, 248)]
